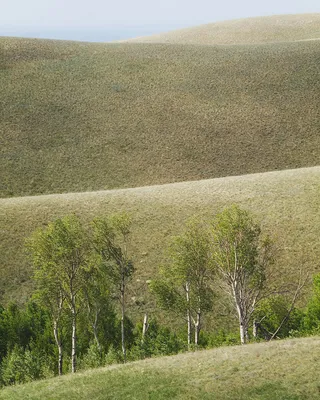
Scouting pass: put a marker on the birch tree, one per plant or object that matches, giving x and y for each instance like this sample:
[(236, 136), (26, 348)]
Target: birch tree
[(59, 254), (241, 255), (111, 240), (186, 285), (49, 292)]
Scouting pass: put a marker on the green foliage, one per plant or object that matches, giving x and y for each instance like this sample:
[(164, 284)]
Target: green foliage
[(21, 366), (191, 261), (111, 237), (168, 297), (219, 338), (158, 341), (312, 314), (237, 245), (272, 311), (59, 255), (19, 327), (113, 356), (184, 286), (93, 358)]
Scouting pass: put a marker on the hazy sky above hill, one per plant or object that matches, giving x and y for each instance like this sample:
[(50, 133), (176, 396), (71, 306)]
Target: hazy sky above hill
[(106, 20)]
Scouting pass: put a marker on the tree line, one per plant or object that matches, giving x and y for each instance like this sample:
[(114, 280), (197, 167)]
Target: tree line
[(81, 273)]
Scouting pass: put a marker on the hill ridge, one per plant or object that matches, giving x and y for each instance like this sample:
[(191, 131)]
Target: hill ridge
[(290, 173), (251, 30)]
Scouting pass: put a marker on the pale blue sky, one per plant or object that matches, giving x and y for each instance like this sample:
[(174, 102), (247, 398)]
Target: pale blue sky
[(105, 20)]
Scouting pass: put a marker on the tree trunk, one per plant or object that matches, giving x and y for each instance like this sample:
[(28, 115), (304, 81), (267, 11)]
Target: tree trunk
[(144, 327), (123, 344), (241, 314), (59, 345), (95, 332), (197, 328), (188, 314), (74, 337), (255, 329), (244, 335)]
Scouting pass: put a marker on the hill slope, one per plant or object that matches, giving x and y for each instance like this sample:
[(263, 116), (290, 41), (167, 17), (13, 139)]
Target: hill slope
[(277, 28), (287, 203), (282, 370), (78, 117)]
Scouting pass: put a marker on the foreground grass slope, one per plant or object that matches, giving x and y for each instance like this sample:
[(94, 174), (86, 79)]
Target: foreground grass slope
[(277, 28), (287, 203), (283, 370), (78, 117)]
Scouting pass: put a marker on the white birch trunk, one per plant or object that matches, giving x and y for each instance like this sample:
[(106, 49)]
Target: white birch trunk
[(74, 336), (197, 328), (123, 344), (255, 329), (242, 334), (188, 314), (59, 345), (144, 327)]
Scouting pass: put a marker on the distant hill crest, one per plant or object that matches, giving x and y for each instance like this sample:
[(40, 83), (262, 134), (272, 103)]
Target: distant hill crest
[(276, 28)]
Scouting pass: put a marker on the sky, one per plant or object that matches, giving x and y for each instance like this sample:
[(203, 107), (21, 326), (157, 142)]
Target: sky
[(107, 20)]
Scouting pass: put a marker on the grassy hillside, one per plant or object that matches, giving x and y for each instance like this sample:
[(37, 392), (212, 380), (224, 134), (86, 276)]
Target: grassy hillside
[(277, 28), (287, 203), (282, 370), (79, 117)]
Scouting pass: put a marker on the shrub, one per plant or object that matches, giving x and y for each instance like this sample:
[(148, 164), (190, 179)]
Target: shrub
[(21, 366), (92, 359)]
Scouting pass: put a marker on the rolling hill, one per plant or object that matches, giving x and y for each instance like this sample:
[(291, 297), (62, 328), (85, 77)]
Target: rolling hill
[(84, 117), (276, 28), (282, 370)]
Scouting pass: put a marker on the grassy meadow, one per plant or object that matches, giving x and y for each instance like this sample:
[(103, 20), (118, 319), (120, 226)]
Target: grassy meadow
[(276, 28), (83, 117), (278, 370)]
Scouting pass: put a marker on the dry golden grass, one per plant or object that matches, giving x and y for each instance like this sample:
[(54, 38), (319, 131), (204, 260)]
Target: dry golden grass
[(76, 116), (277, 28), (281, 370), (287, 203)]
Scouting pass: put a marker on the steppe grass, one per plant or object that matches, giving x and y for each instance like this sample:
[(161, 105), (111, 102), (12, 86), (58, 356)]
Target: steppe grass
[(80, 117), (286, 203), (281, 370), (276, 28)]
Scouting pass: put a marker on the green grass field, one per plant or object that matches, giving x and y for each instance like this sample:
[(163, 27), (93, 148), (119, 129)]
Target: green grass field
[(79, 117), (281, 370)]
